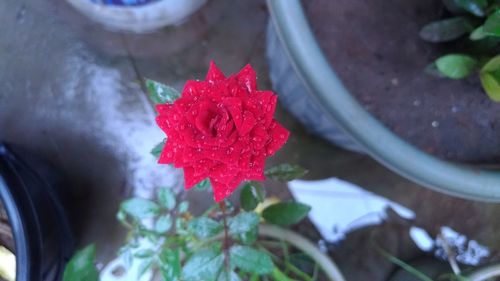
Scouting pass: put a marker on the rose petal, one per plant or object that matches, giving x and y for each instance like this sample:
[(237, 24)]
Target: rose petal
[(268, 102), (233, 105), (163, 108), (279, 136), (247, 77), (214, 73), (259, 137), (223, 189), (222, 129), (247, 124), (194, 89), (191, 178)]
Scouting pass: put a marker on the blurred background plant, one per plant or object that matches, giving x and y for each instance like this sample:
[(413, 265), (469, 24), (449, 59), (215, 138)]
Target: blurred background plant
[(479, 20)]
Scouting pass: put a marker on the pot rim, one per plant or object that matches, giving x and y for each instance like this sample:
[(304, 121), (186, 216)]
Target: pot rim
[(142, 18), (389, 149), (104, 8), (299, 241), (302, 243), (23, 263)]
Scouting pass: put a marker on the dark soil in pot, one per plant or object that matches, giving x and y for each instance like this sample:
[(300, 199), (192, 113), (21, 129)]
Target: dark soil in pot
[(375, 48)]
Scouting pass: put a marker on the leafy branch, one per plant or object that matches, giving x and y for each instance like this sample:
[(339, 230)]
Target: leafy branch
[(480, 19)]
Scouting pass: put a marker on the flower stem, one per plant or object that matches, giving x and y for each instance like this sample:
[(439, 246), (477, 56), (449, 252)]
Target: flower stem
[(225, 245)]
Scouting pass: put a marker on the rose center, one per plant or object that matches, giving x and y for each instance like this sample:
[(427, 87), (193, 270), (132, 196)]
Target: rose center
[(213, 125), (209, 121)]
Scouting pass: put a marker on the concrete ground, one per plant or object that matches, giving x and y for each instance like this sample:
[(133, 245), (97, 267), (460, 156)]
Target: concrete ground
[(69, 91)]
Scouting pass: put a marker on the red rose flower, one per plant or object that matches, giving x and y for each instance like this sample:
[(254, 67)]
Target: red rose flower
[(222, 129)]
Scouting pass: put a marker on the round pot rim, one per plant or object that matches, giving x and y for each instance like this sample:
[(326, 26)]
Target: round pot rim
[(126, 10), (16, 222), (140, 18), (395, 153), (296, 239), (386, 147)]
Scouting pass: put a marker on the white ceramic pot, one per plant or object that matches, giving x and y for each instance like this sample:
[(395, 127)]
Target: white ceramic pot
[(139, 19)]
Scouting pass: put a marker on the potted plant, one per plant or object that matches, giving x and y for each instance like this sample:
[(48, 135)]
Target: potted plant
[(420, 126), (38, 232), (137, 15), (219, 131)]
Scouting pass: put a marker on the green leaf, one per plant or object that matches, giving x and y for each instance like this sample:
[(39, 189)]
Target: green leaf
[(121, 216), (492, 65), (279, 276), (249, 237), (81, 266), (478, 34), (250, 260), (432, 70), (492, 24), (203, 185), (143, 267), (160, 94), (456, 66), (166, 198), (183, 207), (446, 30), (490, 78), (204, 227), (203, 265), (140, 208), (170, 264), (163, 224), (491, 85), (243, 222), (228, 276), (251, 195), (156, 151), (475, 7), (144, 253), (406, 267), (459, 278), (285, 172), (286, 213), (180, 226)]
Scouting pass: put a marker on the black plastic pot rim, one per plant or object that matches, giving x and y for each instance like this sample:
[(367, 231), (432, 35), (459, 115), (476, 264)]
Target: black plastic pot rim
[(20, 237), (314, 69)]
